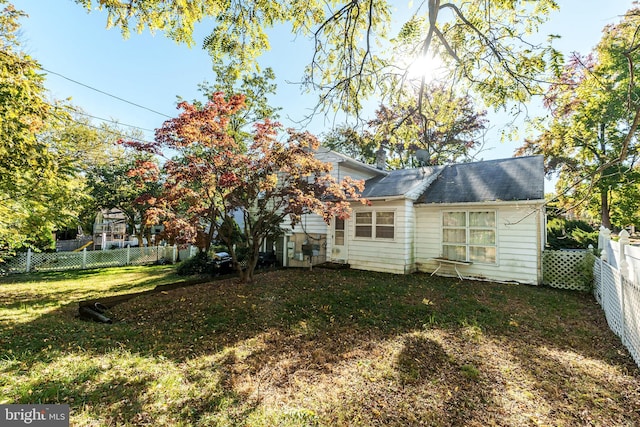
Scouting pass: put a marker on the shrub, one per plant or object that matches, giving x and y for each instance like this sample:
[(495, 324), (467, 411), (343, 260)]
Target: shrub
[(198, 264), (570, 234)]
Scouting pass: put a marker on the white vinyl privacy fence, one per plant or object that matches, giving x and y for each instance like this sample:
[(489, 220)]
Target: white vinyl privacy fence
[(617, 290), (56, 261)]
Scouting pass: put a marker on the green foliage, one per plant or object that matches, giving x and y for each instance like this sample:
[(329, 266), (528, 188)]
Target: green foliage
[(347, 140), (470, 372), (431, 118), (23, 109), (117, 183), (570, 234), (590, 139), (199, 264), (40, 189), (353, 54)]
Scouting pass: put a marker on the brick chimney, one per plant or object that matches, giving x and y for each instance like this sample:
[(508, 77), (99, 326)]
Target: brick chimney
[(381, 159)]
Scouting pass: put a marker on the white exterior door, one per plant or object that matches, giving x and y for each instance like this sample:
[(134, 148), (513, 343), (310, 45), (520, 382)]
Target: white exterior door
[(339, 247)]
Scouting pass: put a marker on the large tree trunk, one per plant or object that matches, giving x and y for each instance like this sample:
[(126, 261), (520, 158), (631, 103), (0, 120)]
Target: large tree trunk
[(246, 275)]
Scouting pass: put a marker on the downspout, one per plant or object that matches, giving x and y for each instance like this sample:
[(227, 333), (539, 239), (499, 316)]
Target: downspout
[(542, 233)]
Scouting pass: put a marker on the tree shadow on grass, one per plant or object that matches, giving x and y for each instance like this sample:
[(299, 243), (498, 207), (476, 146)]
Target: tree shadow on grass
[(237, 350)]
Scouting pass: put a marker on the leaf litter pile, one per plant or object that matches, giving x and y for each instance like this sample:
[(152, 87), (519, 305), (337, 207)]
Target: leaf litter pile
[(332, 348)]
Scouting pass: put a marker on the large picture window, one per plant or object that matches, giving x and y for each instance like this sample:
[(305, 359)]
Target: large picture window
[(469, 236), (375, 224)]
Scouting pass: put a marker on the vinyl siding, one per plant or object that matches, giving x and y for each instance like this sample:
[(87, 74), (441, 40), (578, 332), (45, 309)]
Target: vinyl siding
[(384, 255), (518, 241), (310, 223), (313, 223)]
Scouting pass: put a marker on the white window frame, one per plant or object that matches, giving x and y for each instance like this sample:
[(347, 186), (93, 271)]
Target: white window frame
[(374, 213), (467, 239)]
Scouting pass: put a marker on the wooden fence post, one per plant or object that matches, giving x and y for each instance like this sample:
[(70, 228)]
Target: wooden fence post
[(174, 254), (128, 254), (84, 258)]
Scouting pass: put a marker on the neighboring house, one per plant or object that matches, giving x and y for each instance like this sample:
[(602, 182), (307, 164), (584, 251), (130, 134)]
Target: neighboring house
[(487, 216), (109, 229)]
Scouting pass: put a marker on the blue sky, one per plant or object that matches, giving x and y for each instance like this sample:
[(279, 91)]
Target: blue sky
[(152, 70)]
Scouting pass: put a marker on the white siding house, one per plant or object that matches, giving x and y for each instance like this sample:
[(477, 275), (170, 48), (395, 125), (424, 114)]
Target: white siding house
[(518, 242), (482, 220), (312, 232)]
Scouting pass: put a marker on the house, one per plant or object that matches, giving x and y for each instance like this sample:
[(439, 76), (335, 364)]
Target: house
[(109, 229), (483, 220)]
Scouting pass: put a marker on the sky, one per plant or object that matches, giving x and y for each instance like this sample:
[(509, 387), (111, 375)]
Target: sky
[(76, 50)]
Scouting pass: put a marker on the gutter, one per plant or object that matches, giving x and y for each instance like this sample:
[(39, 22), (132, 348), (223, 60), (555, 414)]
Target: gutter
[(493, 202)]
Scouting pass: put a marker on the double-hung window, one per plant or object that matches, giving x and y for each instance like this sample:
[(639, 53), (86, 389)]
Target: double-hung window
[(469, 236), (375, 224)]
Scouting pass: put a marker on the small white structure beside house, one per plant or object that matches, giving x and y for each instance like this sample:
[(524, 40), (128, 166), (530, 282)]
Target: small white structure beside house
[(482, 220)]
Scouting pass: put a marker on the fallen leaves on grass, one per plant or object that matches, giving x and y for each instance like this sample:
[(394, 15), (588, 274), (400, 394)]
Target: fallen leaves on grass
[(340, 348)]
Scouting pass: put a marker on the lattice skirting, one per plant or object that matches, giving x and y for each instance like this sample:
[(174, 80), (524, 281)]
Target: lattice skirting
[(568, 269)]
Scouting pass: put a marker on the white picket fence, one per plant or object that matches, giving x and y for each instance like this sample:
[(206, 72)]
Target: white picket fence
[(617, 288), (57, 261)]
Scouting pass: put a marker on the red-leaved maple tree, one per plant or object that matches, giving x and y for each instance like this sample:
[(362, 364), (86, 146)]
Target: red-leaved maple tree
[(215, 177)]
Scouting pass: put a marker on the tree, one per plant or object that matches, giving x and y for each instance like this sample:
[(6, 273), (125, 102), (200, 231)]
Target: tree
[(256, 88), (40, 188), (351, 56), (590, 139), (25, 162), (345, 139), (446, 127), (23, 108), (214, 179), (129, 183)]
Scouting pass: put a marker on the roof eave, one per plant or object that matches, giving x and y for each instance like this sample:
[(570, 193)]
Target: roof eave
[(492, 202)]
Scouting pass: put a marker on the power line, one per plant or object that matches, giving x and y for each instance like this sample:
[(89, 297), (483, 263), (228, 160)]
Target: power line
[(115, 122), (118, 134), (105, 93), (36, 64)]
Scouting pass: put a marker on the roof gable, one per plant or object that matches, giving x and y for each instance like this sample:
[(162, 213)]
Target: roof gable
[(517, 178), (329, 156)]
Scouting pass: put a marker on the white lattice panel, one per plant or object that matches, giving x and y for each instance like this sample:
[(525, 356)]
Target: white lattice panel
[(109, 258), (568, 269), (24, 262), (56, 261)]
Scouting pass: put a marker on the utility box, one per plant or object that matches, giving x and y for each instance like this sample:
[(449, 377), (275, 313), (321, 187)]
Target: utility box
[(291, 248), (307, 250)]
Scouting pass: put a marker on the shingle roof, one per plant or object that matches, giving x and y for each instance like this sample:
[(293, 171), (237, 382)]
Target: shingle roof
[(517, 178), (401, 182)]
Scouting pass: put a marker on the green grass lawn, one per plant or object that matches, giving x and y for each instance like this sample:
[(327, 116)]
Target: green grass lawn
[(320, 347)]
